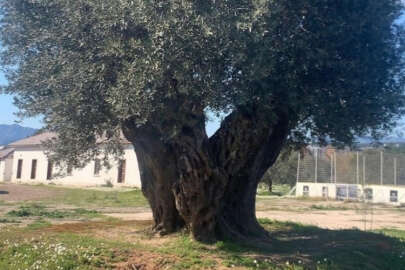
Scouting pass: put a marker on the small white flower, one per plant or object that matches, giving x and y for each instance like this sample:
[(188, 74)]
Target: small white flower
[(299, 261), (287, 263)]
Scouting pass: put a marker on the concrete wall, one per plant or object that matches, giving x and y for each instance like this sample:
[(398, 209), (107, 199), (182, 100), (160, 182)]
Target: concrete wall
[(7, 166), (2, 165), (380, 194), (315, 190), (79, 177)]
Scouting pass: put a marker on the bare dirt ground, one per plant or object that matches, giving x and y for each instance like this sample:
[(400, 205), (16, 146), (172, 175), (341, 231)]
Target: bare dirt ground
[(18, 193), (324, 214)]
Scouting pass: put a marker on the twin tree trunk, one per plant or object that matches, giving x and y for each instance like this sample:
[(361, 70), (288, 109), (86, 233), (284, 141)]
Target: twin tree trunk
[(208, 184)]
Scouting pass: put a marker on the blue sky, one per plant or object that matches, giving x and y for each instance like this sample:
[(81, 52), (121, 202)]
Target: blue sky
[(8, 110)]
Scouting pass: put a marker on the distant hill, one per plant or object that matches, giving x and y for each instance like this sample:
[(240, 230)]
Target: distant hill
[(388, 139), (11, 133)]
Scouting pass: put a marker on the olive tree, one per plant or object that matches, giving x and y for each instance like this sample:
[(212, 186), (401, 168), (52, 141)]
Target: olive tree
[(151, 70)]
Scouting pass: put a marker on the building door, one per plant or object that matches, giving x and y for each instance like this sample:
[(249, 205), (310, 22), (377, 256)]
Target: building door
[(49, 171), (19, 168), (121, 171)]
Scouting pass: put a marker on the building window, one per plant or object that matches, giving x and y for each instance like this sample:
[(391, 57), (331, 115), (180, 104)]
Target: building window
[(121, 171), (49, 170), (393, 196), (97, 167), (33, 169), (325, 192), (69, 169), (368, 193), (305, 191), (19, 168)]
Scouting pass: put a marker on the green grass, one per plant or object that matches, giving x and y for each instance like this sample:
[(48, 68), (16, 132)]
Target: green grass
[(98, 198), (63, 251), (293, 247), (37, 210), (38, 224), (339, 249), (192, 254), (393, 233)]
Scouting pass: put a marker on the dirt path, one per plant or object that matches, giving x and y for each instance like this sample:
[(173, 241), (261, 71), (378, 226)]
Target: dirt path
[(341, 219), (18, 193), (324, 214), (325, 219)]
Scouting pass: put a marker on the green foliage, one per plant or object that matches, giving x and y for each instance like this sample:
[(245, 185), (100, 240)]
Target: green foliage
[(284, 170), (336, 68)]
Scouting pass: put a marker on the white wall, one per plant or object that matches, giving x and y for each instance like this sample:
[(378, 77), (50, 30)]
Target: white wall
[(79, 177), (381, 194), (2, 165), (315, 189), (7, 168)]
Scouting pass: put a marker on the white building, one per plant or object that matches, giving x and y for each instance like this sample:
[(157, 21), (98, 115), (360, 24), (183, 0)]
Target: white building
[(24, 161), (369, 193)]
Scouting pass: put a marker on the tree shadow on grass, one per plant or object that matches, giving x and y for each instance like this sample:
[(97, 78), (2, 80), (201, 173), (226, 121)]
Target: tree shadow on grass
[(309, 247)]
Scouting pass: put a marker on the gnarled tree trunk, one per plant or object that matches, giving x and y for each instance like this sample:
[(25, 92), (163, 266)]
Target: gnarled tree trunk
[(209, 185), (246, 146), (158, 172)]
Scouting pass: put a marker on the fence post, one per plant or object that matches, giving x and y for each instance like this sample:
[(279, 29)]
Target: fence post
[(331, 168), (364, 170), (316, 165), (395, 171), (298, 167), (334, 155), (357, 167), (381, 167)]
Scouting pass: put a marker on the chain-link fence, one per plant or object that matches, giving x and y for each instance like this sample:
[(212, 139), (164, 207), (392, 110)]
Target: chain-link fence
[(367, 167)]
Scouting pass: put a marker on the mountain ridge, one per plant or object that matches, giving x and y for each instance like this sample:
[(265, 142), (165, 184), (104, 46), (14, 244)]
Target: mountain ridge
[(14, 132)]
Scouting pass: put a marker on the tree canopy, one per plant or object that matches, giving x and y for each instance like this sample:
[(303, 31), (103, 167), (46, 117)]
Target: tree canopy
[(280, 68), (89, 65)]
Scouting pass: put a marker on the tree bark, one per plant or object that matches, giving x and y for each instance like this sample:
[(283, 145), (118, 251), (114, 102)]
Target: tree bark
[(246, 146), (158, 172), (200, 187), (208, 185)]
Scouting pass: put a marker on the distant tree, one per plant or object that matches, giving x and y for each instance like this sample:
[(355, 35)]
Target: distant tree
[(153, 69), (283, 171)]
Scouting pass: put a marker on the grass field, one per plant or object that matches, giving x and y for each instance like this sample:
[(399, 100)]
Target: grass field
[(69, 230), (99, 198)]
